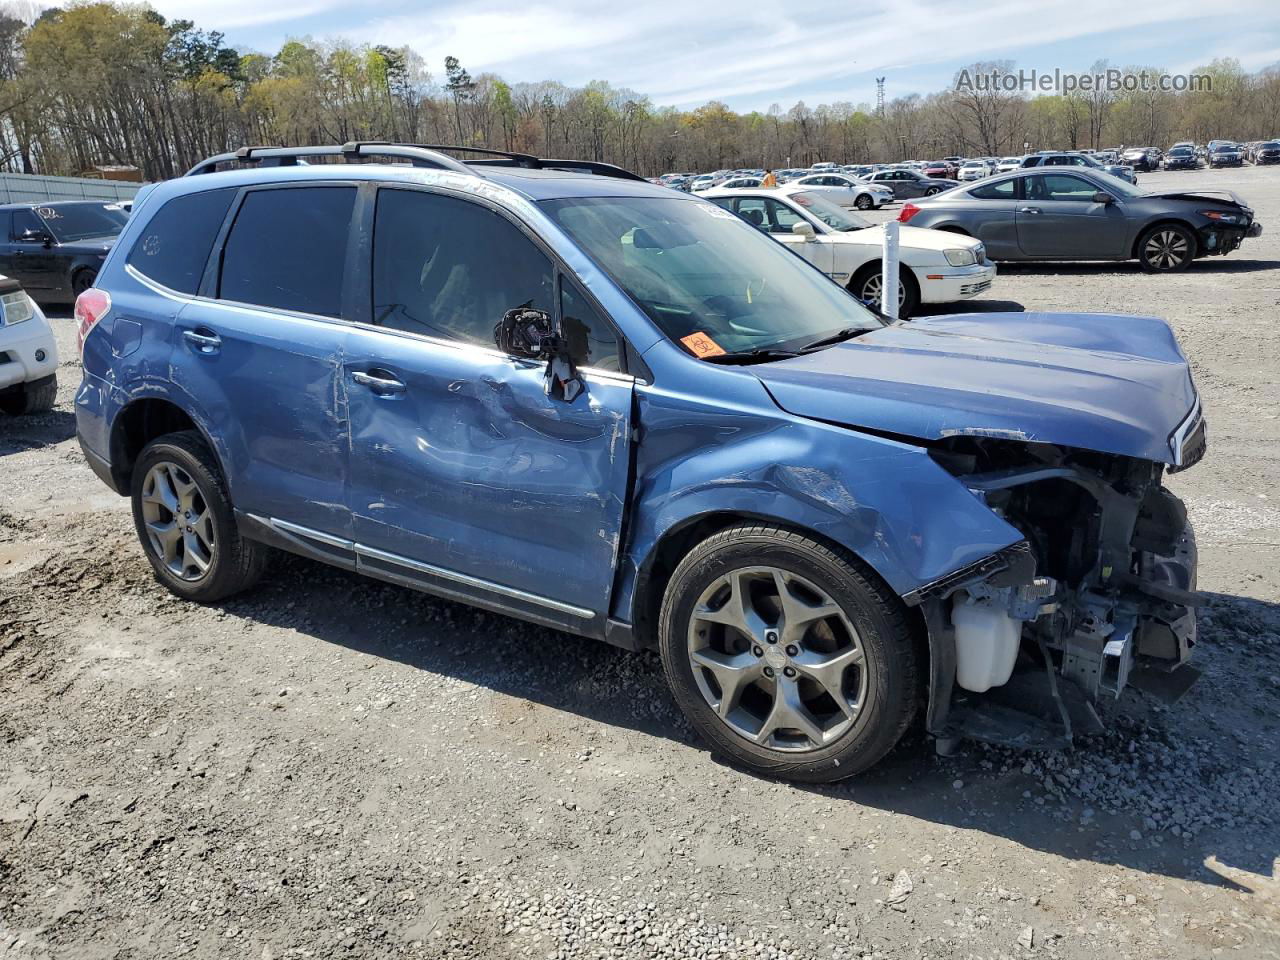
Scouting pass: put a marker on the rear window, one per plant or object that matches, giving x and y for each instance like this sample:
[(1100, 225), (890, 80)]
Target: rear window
[(288, 248), (71, 222), (174, 246)]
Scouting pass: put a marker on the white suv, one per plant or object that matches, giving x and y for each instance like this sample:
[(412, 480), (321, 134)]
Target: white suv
[(28, 356)]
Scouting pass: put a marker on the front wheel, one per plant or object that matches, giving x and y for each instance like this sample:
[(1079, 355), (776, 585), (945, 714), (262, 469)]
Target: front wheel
[(186, 523), (37, 396), (864, 202), (867, 285), (1166, 248), (786, 656)]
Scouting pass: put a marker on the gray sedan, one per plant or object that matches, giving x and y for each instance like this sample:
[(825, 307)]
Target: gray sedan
[(907, 184), (1082, 214)]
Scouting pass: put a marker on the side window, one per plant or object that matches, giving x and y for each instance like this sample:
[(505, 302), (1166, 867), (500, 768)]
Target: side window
[(445, 267), (25, 221), (174, 246), (782, 217), (1004, 190), (1058, 186), (752, 210), (287, 249), (592, 342)]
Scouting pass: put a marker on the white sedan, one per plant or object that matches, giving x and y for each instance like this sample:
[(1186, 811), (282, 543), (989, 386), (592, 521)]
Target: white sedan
[(974, 170), (936, 266), (1009, 164), (845, 190)]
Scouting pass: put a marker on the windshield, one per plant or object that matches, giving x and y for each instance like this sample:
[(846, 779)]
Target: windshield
[(1115, 186), (1179, 152), (833, 215), (705, 277), (1224, 149), (79, 221)]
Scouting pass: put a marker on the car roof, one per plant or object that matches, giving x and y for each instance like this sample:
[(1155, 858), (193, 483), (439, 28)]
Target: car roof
[(546, 184)]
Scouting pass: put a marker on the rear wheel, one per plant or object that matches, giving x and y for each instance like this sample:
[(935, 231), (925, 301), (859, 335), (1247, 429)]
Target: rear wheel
[(786, 656), (186, 523), (38, 396), (1166, 248), (932, 191), (867, 286)]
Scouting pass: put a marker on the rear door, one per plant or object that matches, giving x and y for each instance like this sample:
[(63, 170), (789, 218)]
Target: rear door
[(466, 476), (1058, 217), (261, 353)]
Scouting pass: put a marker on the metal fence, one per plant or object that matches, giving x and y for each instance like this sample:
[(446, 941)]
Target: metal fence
[(22, 188)]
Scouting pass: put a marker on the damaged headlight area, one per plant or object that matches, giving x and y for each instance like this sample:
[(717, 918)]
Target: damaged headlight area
[(1100, 595)]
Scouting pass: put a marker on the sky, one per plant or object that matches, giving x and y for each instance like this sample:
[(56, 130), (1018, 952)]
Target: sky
[(752, 54)]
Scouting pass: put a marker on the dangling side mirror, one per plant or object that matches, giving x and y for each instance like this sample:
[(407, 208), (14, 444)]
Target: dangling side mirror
[(531, 334)]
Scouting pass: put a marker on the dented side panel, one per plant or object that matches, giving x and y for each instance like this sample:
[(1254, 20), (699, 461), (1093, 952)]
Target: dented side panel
[(739, 454)]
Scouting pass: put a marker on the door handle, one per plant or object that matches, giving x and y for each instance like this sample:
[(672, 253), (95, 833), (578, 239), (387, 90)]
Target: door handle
[(379, 381), (1029, 210), (203, 342)]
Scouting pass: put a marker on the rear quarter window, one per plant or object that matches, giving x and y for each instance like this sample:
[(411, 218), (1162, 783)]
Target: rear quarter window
[(174, 246)]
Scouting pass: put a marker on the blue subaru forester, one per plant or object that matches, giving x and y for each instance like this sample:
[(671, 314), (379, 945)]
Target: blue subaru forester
[(550, 389)]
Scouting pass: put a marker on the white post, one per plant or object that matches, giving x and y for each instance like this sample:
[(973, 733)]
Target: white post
[(889, 272)]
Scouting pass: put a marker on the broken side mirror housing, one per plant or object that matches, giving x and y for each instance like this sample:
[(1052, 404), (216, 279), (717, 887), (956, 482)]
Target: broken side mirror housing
[(1103, 197), (531, 334)]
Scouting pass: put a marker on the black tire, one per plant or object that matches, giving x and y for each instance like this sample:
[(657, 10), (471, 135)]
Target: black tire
[(234, 563), (932, 191), (82, 280), (863, 201), (38, 396), (1166, 248), (887, 694), (909, 298)]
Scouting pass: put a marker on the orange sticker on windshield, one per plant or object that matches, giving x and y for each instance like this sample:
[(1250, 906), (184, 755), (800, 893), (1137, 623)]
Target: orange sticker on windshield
[(702, 345)]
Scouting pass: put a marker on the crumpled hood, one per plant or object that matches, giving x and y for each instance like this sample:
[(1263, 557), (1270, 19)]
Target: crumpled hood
[(1115, 384)]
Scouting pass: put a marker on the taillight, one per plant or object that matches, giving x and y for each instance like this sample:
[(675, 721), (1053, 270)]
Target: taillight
[(909, 210), (91, 307)]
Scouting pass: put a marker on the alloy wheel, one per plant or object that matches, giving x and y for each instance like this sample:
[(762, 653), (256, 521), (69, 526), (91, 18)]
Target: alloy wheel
[(873, 286), (1166, 249), (178, 521), (777, 659)]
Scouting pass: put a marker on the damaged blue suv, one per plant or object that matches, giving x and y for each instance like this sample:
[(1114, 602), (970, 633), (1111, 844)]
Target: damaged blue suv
[(553, 390)]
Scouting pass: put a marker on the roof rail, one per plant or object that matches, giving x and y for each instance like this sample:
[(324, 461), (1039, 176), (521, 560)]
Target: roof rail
[(419, 154), (354, 150)]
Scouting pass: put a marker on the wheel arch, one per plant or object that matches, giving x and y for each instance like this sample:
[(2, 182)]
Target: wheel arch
[(1159, 221), (660, 561), (138, 423)]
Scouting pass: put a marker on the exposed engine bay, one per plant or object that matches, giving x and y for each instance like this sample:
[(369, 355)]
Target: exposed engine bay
[(1100, 594)]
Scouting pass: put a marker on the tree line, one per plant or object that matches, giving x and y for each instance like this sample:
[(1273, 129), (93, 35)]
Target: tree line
[(109, 84)]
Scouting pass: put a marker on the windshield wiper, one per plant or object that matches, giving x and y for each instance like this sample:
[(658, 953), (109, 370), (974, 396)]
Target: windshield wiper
[(840, 336), (756, 355)]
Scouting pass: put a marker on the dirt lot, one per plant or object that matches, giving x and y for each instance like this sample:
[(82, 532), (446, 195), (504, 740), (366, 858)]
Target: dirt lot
[(333, 767)]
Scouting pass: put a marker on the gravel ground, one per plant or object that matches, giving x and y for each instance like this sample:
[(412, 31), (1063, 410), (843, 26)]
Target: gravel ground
[(331, 767)]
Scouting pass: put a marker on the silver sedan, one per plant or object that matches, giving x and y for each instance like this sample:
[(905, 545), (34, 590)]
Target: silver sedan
[(1083, 214), (847, 191)]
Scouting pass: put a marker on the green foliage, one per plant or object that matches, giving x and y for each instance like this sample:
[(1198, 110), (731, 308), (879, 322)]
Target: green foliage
[(101, 82)]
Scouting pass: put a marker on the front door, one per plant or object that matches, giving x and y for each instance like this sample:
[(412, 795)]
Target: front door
[(465, 473), (29, 256), (1058, 217)]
